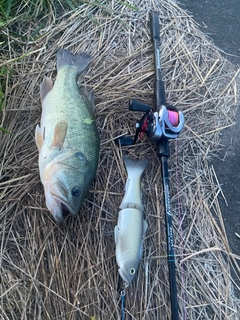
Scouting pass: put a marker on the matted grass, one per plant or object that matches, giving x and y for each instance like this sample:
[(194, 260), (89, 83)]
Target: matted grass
[(69, 271)]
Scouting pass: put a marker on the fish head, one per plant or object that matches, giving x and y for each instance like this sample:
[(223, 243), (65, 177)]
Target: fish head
[(66, 181), (128, 265)]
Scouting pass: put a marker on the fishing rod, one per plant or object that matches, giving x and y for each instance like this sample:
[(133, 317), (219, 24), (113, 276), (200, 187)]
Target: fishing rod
[(161, 123)]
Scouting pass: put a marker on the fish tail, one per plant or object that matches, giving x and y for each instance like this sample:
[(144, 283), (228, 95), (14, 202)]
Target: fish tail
[(134, 168), (66, 58)]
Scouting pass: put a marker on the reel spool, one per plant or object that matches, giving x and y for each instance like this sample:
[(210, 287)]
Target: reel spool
[(168, 123)]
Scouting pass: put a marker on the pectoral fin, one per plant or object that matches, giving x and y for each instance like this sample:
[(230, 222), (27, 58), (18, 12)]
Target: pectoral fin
[(60, 132), (116, 234), (38, 137), (45, 87)]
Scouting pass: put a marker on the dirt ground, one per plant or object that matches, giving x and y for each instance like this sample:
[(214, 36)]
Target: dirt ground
[(220, 21)]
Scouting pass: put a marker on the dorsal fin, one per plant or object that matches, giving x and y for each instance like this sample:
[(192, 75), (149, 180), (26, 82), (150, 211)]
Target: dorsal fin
[(60, 132), (45, 87)]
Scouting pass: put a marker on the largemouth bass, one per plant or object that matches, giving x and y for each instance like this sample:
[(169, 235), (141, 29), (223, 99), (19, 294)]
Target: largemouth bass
[(67, 138), (131, 226)]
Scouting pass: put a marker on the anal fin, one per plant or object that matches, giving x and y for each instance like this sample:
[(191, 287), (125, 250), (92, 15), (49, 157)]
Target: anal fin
[(89, 97)]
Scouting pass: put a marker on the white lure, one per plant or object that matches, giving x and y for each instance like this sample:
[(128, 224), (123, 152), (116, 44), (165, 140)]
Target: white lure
[(131, 226)]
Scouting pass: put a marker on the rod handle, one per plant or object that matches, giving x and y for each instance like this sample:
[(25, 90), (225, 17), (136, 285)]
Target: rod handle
[(154, 25)]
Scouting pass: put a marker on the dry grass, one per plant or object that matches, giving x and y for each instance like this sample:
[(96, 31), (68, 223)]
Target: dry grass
[(69, 271)]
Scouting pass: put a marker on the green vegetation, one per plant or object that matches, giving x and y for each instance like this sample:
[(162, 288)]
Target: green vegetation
[(5, 74), (13, 15), (12, 10), (21, 22)]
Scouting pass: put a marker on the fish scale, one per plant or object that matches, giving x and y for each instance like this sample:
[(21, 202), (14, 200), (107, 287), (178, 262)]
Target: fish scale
[(71, 107)]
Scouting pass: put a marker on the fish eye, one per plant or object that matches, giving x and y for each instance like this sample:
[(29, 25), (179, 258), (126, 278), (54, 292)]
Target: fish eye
[(76, 192), (132, 271)]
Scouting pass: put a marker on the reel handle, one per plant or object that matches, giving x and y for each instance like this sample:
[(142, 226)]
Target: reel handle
[(135, 105)]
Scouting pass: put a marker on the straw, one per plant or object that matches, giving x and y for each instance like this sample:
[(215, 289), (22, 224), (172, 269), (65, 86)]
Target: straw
[(69, 271)]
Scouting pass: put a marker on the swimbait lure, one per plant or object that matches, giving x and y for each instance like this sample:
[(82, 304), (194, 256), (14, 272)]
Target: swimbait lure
[(131, 226)]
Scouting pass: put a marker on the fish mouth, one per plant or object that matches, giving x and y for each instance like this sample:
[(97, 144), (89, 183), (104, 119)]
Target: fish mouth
[(56, 200), (58, 190), (65, 211), (65, 206), (60, 209), (55, 207)]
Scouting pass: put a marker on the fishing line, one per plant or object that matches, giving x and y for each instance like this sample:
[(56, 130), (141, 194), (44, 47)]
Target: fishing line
[(123, 294), (173, 118)]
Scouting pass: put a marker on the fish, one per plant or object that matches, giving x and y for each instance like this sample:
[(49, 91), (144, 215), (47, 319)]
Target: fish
[(131, 226), (67, 138)]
